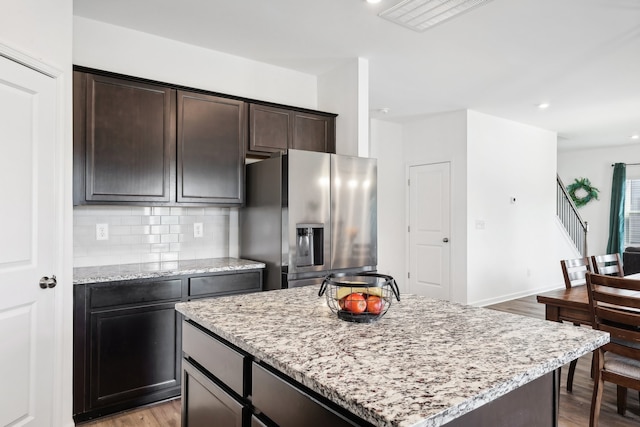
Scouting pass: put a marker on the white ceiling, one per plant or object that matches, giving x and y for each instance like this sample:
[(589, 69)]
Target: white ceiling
[(503, 58)]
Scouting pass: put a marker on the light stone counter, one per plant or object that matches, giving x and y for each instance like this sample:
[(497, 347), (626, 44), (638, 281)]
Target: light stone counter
[(114, 273), (425, 363)]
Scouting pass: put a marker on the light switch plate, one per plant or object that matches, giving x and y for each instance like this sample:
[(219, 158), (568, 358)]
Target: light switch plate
[(198, 229), (102, 231)]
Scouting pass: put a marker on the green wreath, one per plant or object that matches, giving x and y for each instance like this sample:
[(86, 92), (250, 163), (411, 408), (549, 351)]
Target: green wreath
[(582, 184)]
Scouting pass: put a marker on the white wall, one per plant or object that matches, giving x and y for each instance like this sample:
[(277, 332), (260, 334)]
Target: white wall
[(595, 164), (42, 29), (514, 255), (121, 50), (387, 147), (442, 138), (345, 91)]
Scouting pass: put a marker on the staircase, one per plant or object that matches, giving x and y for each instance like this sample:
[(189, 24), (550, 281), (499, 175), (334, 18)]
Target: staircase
[(570, 218)]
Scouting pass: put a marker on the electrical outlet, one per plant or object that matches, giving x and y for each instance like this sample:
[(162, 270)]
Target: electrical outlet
[(102, 231), (198, 229)]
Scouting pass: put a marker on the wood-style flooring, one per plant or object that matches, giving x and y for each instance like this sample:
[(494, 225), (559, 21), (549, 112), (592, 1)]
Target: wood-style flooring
[(574, 407)]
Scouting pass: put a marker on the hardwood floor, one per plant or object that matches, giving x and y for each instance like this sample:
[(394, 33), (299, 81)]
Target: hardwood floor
[(165, 414), (574, 407)]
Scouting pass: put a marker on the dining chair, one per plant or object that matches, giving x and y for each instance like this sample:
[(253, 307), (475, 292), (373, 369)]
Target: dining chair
[(608, 265), (574, 272), (615, 308)]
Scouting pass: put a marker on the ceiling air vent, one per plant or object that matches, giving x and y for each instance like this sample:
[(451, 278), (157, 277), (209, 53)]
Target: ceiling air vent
[(419, 15)]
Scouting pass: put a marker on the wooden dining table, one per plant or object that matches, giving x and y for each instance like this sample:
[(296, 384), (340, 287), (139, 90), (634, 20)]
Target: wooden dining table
[(570, 305)]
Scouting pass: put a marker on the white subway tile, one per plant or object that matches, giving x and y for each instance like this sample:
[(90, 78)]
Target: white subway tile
[(140, 229), (160, 247), (150, 257), (169, 238), (131, 220), (150, 238), (151, 220), (161, 211), (170, 220), (196, 211), (187, 219), (120, 230), (140, 210), (186, 254), (131, 239), (150, 234), (159, 229), (169, 256)]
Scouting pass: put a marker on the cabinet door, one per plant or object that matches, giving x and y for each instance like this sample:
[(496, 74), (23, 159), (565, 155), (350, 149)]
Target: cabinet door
[(211, 141), (134, 355), (270, 128), (313, 132), (129, 140)]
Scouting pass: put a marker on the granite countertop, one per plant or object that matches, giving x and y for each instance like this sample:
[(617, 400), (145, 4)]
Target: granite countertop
[(112, 273), (425, 363)]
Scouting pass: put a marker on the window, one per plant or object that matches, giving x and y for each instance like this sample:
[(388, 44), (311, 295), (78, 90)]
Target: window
[(632, 213)]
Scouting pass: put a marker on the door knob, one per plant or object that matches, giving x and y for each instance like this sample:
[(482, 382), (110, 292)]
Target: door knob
[(48, 282), (446, 239)]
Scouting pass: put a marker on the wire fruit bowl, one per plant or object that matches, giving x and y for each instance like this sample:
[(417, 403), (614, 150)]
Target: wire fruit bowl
[(360, 297)]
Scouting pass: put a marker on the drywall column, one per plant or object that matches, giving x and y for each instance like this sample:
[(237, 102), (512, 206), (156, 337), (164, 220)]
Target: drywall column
[(345, 90)]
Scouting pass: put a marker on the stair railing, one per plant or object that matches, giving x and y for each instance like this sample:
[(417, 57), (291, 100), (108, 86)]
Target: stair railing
[(570, 218)]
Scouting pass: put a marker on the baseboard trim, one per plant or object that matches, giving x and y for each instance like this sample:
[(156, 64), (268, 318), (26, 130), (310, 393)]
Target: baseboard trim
[(515, 295)]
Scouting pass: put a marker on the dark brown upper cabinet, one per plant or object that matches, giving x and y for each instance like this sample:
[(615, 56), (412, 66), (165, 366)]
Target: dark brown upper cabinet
[(148, 143), (211, 141), (313, 132), (140, 143), (270, 128), (274, 129), (124, 135)]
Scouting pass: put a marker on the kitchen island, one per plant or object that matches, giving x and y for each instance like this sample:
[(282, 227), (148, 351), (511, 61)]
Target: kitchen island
[(425, 363)]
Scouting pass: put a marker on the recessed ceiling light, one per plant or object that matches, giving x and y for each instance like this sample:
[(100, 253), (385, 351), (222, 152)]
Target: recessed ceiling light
[(374, 1), (635, 136), (543, 106)]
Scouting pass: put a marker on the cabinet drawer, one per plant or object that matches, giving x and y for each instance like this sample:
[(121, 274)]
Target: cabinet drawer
[(224, 283), (289, 406), (111, 294), (256, 422), (223, 362), (205, 404)]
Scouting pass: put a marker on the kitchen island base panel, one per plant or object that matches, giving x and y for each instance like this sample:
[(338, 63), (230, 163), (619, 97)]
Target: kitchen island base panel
[(533, 405)]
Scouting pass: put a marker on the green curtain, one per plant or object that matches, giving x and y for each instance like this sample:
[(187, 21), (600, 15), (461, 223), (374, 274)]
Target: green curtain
[(616, 216)]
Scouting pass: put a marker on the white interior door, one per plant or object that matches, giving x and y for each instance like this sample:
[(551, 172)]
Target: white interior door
[(429, 230), (27, 244)]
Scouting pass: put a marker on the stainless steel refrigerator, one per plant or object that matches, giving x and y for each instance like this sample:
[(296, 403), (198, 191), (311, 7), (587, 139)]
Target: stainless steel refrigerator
[(308, 214)]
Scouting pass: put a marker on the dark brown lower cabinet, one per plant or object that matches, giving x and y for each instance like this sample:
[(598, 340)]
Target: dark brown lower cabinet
[(128, 341), (237, 389), (209, 404), (126, 345)]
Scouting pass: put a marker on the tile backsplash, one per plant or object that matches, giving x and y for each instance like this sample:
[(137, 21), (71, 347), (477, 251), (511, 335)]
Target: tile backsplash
[(160, 235)]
